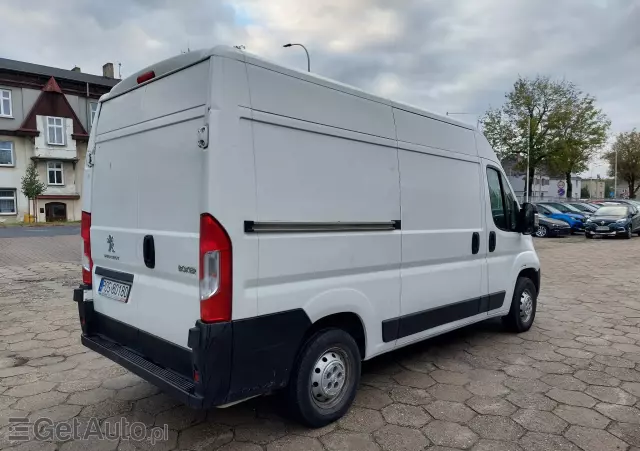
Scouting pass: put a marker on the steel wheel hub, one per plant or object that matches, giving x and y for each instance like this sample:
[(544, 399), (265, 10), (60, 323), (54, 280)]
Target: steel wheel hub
[(526, 307), (328, 378), (541, 232)]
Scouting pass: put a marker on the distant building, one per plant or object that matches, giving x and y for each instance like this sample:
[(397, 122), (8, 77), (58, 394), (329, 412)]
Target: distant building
[(596, 188), (45, 117)]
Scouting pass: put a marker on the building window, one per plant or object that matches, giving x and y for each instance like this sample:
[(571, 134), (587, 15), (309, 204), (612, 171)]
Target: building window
[(5, 103), (94, 108), (6, 154), (55, 131), (7, 201), (54, 173)]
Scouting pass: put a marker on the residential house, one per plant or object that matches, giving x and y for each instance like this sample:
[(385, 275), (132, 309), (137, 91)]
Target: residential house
[(45, 117), (596, 188)]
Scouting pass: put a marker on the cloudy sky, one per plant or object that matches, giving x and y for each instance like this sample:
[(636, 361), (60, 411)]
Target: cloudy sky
[(442, 55)]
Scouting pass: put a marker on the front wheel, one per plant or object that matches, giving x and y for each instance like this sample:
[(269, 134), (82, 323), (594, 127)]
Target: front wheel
[(325, 378), (542, 231), (629, 234), (588, 236), (523, 306)]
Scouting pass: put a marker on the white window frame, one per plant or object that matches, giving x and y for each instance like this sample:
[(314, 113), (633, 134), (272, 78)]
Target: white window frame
[(51, 167), (4, 95), (15, 201), (13, 154), (93, 109), (55, 126)]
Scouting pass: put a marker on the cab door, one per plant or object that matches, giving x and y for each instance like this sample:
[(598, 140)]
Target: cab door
[(504, 242)]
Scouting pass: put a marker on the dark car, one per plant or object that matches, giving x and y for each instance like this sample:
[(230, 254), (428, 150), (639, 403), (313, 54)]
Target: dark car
[(584, 207), (548, 227), (574, 220), (613, 220)]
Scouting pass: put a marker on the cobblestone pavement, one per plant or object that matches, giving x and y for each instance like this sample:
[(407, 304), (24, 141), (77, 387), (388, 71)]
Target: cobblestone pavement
[(571, 383)]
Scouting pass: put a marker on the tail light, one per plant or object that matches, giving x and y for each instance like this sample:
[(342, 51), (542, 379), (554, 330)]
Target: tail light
[(87, 263), (146, 76), (215, 271)]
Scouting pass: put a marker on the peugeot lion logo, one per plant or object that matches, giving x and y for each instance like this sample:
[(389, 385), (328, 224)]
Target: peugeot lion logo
[(111, 244)]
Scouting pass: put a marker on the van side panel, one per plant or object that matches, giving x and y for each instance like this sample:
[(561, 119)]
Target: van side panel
[(311, 173), (292, 97)]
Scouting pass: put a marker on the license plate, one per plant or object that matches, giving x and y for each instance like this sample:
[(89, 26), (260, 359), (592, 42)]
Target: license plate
[(603, 229), (114, 290)]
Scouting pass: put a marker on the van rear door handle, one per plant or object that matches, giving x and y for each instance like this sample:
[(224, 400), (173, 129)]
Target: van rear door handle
[(492, 241), (475, 243), (149, 251)]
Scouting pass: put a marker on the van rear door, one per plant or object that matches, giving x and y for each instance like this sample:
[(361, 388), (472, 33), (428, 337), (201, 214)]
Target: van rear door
[(148, 180)]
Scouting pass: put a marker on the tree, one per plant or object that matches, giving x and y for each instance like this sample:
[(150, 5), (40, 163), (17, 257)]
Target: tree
[(580, 131), (627, 146), (528, 122), (584, 193), (32, 187)]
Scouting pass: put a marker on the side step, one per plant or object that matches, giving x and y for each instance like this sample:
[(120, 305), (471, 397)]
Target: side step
[(172, 383)]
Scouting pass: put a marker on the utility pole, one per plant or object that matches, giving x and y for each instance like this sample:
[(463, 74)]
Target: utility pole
[(528, 151), (615, 178)]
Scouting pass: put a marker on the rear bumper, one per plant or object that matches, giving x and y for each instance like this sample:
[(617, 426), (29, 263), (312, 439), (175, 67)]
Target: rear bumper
[(233, 361)]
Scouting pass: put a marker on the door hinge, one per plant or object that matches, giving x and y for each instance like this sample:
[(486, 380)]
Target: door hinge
[(203, 137)]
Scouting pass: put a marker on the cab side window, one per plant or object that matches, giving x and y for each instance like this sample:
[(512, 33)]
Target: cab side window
[(504, 207)]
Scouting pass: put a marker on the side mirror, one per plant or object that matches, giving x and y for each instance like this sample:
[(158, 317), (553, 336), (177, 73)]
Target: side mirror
[(527, 219)]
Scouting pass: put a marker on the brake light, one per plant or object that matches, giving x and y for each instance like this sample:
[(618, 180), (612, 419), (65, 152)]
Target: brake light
[(215, 271), (85, 233), (146, 76)]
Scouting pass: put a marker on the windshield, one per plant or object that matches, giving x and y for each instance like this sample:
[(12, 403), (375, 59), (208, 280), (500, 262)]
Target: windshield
[(551, 209), (581, 207), (617, 210), (572, 209)]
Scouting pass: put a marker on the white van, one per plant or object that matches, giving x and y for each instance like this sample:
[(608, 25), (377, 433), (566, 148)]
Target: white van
[(249, 229)]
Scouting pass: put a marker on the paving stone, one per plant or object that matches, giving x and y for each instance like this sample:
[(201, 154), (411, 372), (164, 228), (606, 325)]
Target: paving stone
[(61, 412), (450, 411), (409, 395), (405, 415), (6, 414), (611, 395), (124, 381), (614, 361), (105, 409), (526, 385), (180, 418), (259, 431), (582, 416), (156, 403), (632, 387), (536, 441), (487, 375), (624, 374), (448, 392), (496, 427), (624, 414), (361, 420), (454, 435), (295, 443), (414, 379), (564, 382), (487, 388), (522, 372), (417, 365), (349, 441), (491, 406), (88, 397), (553, 367), (34, 388), (449, 377), (597, 378), (539, 421), (495, 445), (242, 446), (372, 398), (590, 439), (628, 432), (398, 438), (532, 401), (40, 401), (452, 365), (139, 391), (573, 398)]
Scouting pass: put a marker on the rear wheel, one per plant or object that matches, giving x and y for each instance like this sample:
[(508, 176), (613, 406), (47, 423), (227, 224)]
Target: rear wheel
[(542, 231), (523, 306), (325, 379)]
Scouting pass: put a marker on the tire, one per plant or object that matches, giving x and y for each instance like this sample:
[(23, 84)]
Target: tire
[(589, 237), (516, 320), (309, 405), (542, 232), (629, 234)]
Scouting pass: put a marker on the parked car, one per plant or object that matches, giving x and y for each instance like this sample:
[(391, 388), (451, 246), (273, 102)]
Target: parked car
[(234, 294), (614, 220), (567, 208), (575, 221), (548, 227), (584, 207)]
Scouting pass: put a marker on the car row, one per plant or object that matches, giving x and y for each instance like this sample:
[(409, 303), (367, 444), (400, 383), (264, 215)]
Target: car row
[(619, 218)]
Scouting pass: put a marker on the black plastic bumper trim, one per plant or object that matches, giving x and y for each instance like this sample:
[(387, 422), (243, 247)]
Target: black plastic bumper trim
[(115, 275), (404, 326)]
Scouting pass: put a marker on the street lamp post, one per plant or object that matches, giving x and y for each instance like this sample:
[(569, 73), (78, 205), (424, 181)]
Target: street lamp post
[(305, 50), (615, 178), (528, 151)]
